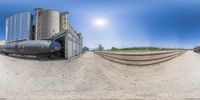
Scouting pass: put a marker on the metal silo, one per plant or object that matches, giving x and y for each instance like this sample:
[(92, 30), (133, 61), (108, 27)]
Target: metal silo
[(47, 23), (18, 27)]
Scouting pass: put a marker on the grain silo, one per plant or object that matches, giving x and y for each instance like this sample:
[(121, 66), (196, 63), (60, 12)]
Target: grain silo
[(47, 23)]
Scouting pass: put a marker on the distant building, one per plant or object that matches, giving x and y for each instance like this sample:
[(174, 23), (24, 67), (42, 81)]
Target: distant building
[(198, 45), (85, 49), (100, 48), (2, 42)]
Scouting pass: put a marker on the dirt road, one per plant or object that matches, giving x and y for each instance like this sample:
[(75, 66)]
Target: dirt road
[(93, 77)]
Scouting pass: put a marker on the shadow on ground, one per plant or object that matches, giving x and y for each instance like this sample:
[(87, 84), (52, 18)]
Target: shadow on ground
[(39, 58)]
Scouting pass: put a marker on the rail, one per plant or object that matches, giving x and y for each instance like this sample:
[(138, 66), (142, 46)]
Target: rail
[(140, 59)]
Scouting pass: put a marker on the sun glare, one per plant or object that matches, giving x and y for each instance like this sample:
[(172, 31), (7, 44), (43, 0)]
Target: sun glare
[(100, 22)]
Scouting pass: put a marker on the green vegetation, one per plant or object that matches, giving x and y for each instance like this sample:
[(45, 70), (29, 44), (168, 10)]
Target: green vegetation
[(142, 49)]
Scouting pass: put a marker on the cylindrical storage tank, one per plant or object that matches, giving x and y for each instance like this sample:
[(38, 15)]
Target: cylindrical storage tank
[(49, 24)]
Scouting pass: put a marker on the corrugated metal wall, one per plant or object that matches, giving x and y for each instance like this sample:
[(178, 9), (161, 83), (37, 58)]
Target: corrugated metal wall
[(18, 27), (72, 46)]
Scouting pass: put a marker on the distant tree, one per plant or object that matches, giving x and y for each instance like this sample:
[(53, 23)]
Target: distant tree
[(113, 48)]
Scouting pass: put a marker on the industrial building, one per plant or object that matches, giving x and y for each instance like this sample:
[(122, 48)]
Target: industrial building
[(100, 48), (45, 24)]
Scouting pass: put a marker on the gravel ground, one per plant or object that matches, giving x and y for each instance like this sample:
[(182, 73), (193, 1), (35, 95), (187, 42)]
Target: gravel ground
[(93, 77)]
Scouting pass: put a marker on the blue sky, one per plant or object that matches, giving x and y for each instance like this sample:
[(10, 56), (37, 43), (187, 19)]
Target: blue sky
[(163, 23)]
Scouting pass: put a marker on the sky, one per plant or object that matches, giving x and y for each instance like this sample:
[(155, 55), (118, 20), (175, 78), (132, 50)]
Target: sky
[(160, 23)]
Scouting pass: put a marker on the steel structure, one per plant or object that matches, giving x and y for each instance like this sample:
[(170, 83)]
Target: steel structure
[(31, 47), (18, 27)]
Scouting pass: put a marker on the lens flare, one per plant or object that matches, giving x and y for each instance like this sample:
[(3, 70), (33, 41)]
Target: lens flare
[(100, 22)]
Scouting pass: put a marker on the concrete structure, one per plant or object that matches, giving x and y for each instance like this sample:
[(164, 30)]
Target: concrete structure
[(63, 21), (51, 24), (48, 23), (18, 27), (45, 25)]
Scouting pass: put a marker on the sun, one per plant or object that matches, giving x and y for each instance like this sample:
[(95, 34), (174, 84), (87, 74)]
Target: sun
[(100, 22)]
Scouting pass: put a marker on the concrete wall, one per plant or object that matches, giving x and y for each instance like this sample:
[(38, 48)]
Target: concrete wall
[(63, 21), (48, 24)]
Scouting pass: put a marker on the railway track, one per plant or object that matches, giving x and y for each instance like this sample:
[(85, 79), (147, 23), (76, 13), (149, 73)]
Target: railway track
[(140, 59)]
